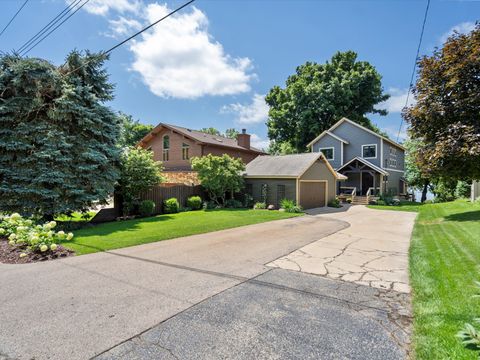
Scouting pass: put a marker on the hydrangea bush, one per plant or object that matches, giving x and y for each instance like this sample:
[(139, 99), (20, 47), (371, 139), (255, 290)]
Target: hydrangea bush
[(36, 238)]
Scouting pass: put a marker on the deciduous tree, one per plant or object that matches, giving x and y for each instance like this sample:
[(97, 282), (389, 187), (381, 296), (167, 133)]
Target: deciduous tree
[(318, 95), (219, 175), (446, 116), (132, 131)]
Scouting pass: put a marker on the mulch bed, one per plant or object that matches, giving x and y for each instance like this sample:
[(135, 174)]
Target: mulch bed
[(11, 254)]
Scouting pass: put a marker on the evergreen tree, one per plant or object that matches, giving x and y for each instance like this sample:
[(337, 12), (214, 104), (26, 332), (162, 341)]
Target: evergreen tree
[(57, 138)]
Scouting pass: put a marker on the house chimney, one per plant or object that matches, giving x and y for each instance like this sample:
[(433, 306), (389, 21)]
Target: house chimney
[(243, 139)]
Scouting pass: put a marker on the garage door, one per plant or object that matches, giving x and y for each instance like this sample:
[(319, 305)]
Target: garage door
[(312, 194)]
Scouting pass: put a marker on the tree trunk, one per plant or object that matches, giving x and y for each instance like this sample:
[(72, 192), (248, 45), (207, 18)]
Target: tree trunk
[(424, 192)]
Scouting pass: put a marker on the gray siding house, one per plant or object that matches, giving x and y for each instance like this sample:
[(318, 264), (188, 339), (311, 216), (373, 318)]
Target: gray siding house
[(372, 163)]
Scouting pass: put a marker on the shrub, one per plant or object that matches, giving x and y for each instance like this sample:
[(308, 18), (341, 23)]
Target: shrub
[(381, 202), (185, 209), (469, 335), (233, 204), (335, 203), (248, 201), (260, 206), (194, 202), (147, 207), (290, 206), (25, 233), (171, 206)]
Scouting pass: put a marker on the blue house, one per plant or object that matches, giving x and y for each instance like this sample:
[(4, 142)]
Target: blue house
[(373, 164)]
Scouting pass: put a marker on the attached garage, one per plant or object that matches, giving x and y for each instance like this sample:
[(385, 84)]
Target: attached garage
[(308, 179)]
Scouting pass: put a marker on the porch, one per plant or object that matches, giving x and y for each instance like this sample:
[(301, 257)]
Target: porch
[(364, 182)]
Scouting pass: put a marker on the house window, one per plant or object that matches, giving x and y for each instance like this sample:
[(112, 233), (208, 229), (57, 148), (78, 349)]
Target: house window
[(369, 151), (185, 148), (166, 147), (328, 152), (280, 193), (393, 162), (393, 151)]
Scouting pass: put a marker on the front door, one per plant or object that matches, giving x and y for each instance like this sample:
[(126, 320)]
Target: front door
[(367, 182)]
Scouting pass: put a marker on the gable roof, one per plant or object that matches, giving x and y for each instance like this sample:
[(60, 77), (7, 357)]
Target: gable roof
[(287, 166), (341, 121), (365, 162), (201, 137)]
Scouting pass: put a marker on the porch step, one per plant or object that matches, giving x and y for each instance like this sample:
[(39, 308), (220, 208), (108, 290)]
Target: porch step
[(360, 200)]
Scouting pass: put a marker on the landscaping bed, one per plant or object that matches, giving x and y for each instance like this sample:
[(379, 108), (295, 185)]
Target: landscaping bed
[(10, 254)]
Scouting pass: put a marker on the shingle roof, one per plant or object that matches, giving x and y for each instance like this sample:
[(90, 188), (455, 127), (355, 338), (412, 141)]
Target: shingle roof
[(204, 137), (283, 165)]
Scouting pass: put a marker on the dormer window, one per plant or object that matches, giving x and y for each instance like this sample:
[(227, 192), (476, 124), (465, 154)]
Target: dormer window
[(328, 152), (369, 151), (166, 147)]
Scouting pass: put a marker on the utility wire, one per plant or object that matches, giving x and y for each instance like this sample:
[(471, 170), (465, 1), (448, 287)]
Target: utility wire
[(13, 18), (414, 65), (47, 27), (103, 54), (51, 31)]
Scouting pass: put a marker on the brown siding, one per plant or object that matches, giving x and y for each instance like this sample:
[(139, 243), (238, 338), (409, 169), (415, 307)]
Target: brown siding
[(176, 162), (290, 189), (320, 171)]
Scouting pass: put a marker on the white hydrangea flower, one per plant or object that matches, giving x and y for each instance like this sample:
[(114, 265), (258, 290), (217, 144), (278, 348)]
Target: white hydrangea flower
[(23, 255), (52, 224), (15, 216), (43, 248), (61, 234), (70, 236), (53, 247), (12, 237), (2, 231)]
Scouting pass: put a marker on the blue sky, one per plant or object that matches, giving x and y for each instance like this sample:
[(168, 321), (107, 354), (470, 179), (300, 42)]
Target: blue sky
[(211, 64)]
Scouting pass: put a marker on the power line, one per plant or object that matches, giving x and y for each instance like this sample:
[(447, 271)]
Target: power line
[(47, 27), (106, 52), (414, 65), (55, 28), (13, 18)]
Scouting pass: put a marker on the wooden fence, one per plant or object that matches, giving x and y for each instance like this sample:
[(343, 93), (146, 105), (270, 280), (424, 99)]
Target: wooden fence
[(163, 192), (158, 195)]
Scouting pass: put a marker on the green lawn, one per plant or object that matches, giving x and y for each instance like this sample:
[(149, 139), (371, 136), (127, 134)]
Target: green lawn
[(444, 262), (121, 234), (403, 206)]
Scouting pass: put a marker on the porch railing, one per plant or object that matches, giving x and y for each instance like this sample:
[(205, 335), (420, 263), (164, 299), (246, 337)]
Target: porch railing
[(348, 192), (372, 191)]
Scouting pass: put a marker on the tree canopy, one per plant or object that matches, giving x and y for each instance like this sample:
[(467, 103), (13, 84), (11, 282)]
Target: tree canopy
[(318, 95), (229, 133), (132, 131), (219, 174), (57, 138), (139, 172), (446, 116)]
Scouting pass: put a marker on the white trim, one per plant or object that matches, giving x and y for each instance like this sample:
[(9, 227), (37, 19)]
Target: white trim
[(402, 171), (381, 153), (326, 190), (336, 137), (333, 152), (367, 130), (341, 154), (372, 157), (327, 132), (365, 162), (270, 177)]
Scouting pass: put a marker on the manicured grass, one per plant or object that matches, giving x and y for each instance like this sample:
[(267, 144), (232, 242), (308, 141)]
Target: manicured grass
[(121, 234), (76, 217), (444, 263), (403, 206)]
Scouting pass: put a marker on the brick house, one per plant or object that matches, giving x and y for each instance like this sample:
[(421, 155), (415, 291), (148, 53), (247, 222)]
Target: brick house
[(174, 146)]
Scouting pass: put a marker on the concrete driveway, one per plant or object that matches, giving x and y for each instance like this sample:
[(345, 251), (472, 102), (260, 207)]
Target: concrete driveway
[(373, 251), (209, 294)]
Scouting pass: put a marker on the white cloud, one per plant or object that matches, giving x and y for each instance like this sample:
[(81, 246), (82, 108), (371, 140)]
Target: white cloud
[(462, 28), (259, 143), (397, 100), (103, 7), (123, 26), (253, 113), (179, 58)]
